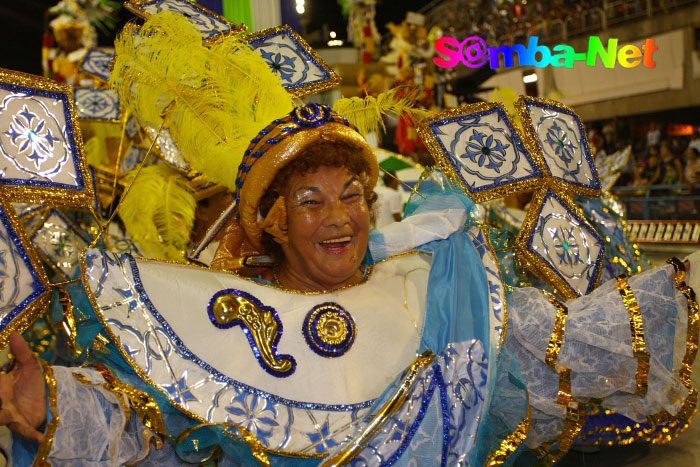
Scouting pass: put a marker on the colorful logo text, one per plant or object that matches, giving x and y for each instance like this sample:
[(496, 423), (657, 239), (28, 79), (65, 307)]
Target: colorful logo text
[(474, 53)]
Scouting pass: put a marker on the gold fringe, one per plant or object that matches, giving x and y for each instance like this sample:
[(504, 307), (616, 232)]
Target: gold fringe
[(45, 448), (639, 345), (512, 442), (554, 347), (691, 348)]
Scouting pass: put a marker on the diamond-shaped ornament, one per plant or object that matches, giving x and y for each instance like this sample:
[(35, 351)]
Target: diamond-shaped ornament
[(301, 70), (207, 22), (98, 63), (24, 290), (61, 242), (97, 104), (479, 147), (560, 246), (557, 139), (41, 149), (166, 148)]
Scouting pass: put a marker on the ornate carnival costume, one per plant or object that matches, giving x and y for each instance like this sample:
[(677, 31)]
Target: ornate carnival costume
[(208, 360)]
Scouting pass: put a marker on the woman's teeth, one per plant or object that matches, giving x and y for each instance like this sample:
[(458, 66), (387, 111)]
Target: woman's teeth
[(337, 240)]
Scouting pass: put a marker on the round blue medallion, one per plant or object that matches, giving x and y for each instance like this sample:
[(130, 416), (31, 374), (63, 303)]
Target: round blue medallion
[(329, 329)]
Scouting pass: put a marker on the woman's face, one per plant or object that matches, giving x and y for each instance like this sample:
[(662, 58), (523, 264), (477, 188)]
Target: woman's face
[(328, 222)]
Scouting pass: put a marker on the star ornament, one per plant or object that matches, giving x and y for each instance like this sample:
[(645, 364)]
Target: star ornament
[(41, 149)]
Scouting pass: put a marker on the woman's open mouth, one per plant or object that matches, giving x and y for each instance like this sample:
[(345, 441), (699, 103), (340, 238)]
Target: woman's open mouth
[(336, 245)]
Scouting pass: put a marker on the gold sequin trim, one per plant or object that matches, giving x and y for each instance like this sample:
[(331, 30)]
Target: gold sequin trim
[(639, 345), (575, 418), (69, 321), (45, 448), (691, 344), (512, 442), (655, 433), (564, 396)]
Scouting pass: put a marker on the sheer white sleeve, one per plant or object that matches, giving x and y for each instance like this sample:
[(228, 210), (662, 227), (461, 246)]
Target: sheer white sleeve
[(96, 426), (596, 349)]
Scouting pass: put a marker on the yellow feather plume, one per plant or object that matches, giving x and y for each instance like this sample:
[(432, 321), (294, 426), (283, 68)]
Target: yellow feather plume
[(368, 114), (158, 212), (217, 96)]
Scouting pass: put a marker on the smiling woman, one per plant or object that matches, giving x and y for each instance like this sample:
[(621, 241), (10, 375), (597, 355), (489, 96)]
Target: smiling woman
[(327, 201)]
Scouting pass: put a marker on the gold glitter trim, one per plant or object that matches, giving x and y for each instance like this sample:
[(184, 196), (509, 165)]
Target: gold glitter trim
[(134, 6), (575, 418), (532, 143), (69, 322), (30, 313), (306, 89), (52, 196), (512, 442), (45, 448), (135, 366), (564, 396), (356, 445), (532, 261), (444, 161), (141, 402), (655, 434), (639, 345), (691, 348)]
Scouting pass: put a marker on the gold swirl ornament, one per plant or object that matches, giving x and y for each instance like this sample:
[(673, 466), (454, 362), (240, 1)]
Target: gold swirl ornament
[(260, 323)]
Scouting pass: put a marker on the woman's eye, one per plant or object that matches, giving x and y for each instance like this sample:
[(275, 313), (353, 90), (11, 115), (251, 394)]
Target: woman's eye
[(351, 196), (309, 202)]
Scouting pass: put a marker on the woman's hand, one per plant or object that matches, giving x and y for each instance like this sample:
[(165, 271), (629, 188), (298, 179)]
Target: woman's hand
[(23, 392)]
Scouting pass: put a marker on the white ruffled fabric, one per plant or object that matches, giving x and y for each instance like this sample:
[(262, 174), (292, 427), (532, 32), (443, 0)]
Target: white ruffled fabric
[(598, 349), (93, 428)]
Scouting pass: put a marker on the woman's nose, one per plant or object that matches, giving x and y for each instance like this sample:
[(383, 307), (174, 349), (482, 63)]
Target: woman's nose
[(336, 214)]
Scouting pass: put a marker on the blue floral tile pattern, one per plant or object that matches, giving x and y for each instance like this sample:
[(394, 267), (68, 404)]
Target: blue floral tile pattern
[(567, 245), (97, 104), (483, 149), (133, 157), (61, 242), (40, 146), (98, 63), (208, 23), (299, 68), (562, 139), (497, 295), (23, 284)]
